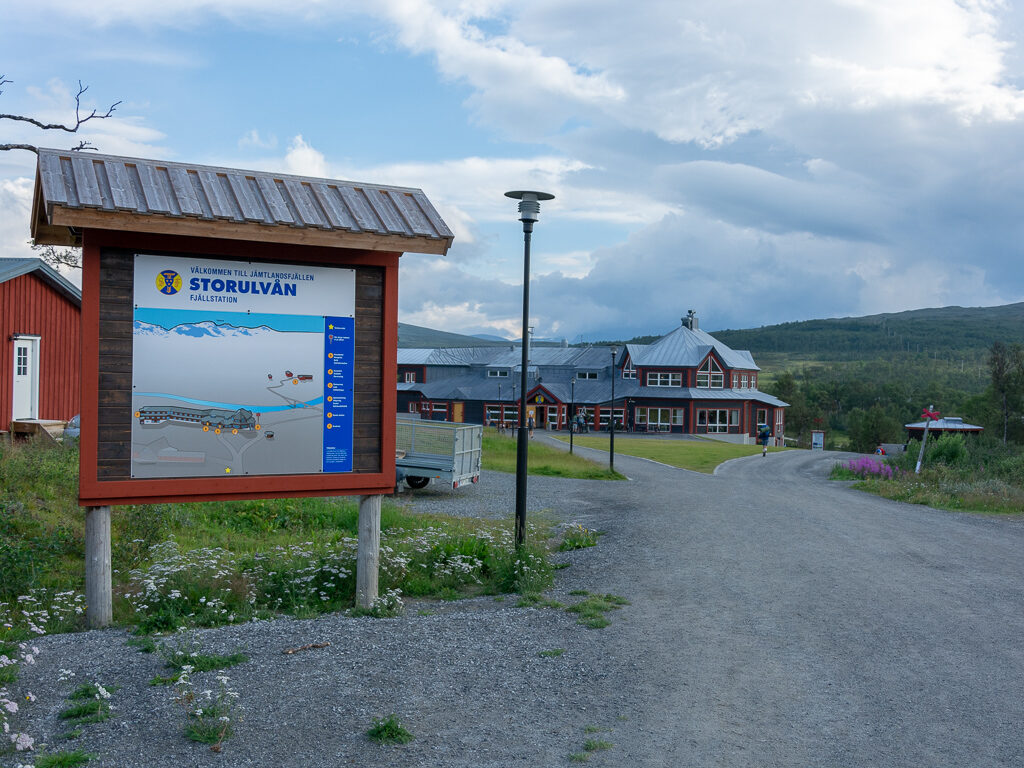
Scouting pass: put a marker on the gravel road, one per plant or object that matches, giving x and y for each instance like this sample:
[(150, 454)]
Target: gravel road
[(777, 619)]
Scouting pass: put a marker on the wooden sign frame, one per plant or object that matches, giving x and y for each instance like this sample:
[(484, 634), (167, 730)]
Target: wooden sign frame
[(106, 384)]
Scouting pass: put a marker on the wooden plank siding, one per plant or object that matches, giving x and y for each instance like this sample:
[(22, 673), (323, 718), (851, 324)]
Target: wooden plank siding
[(30, 306)]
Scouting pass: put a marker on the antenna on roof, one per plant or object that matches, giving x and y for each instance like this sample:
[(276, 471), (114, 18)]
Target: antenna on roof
[(690, 321)]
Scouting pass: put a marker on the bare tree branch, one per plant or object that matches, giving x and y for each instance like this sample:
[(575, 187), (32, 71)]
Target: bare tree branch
[(59, 257), (80, 120)]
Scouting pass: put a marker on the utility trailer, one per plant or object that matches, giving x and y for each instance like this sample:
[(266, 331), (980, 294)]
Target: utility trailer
[(443, 451)]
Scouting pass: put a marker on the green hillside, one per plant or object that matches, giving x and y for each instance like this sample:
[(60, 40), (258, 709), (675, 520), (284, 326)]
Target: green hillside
[(956, 334)]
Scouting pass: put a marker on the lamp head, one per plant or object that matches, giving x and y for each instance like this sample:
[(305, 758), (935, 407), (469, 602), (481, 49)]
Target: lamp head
[(529, 203)]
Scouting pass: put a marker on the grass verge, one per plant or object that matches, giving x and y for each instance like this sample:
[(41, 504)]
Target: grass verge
[(499, 454), (696, 455)]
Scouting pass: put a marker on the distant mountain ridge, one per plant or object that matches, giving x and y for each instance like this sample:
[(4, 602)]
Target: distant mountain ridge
[(419, 337), (944, 331)]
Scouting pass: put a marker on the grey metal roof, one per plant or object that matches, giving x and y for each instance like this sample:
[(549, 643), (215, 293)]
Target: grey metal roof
[(76, 189), (685, 347), (12, 268), (948, 423)]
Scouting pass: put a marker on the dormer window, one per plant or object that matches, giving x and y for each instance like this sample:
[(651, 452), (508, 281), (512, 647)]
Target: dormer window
[(497, 373), (710, 376), (628, 371), (581, 375)]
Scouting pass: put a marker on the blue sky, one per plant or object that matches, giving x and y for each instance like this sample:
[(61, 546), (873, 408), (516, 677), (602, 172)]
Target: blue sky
[(759, 162)]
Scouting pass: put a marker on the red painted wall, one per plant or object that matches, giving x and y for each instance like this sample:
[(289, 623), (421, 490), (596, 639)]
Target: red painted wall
[(29, 305)]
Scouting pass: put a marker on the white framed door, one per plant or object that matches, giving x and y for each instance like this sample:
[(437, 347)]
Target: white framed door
[(25, 403)]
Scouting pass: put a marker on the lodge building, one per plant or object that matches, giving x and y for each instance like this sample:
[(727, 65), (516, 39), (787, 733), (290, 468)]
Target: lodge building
[(686, 382)]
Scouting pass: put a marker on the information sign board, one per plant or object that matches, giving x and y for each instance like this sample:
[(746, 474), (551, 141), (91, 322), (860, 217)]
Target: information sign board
[(241, 368)]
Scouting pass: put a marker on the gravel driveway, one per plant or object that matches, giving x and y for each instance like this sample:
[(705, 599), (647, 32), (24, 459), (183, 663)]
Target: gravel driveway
[(777, 619)]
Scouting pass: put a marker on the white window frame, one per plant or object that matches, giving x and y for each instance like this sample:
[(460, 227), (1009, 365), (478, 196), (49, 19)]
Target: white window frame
[(628, 371), (410, 377), (745, 381), (591, 375), (497, 373), (762, 417), (664, 379), (716, 421), (709, 375)]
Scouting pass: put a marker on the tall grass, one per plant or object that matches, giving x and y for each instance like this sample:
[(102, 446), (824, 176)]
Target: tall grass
[(976, 474), (204, 564)]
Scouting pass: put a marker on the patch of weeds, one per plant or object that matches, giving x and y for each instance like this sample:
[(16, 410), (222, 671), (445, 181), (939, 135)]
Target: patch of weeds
[(186, 650), (592, 609), (93, 706), (92, 691), (425, 612), (560, 566), (63, 759), (595, 745), (534, 600), (577, 537), (499, 599), (552, 653), (208, 714), (593, 729), (164, 679), (386, 606), (579, 757), (578, 592), (72, 735), (388, 730), (144, 644)]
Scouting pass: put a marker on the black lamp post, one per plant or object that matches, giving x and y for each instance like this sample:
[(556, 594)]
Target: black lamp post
[(572, 412), (611, 419), (529, 212)]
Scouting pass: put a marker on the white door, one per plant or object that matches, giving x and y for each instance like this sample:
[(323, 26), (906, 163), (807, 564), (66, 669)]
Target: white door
[(26, 379)]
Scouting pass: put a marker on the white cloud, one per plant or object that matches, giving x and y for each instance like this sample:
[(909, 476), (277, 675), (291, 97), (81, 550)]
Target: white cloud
[(303, 160), (255, 140), (16, 204)]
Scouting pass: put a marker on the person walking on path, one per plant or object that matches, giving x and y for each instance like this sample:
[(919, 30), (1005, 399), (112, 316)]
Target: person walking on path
[(530, 424), (763, 434)]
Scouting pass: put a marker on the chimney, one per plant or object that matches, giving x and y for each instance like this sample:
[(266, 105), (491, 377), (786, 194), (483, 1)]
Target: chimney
[(690, 321)]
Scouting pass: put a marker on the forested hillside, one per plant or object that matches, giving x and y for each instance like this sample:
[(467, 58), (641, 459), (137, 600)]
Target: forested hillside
[(951, 333)]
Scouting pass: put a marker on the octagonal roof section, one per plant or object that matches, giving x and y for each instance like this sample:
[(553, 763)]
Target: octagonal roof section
[(76, 191)]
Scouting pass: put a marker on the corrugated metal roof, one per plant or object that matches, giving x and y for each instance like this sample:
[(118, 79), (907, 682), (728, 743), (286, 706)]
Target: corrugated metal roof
[(948, 423), (12, 268), (685, 347), (75, 189)]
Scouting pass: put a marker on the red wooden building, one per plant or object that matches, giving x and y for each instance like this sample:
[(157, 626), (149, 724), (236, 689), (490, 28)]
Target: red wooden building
[(40, 320)]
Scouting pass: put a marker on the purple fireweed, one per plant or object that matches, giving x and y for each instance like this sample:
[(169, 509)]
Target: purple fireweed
[(866, 467)]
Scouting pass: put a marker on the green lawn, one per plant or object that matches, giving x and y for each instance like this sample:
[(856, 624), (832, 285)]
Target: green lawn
[(500, 455), (698, 455)]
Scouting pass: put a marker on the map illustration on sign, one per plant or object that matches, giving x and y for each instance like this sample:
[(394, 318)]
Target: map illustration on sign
[(241, 368)]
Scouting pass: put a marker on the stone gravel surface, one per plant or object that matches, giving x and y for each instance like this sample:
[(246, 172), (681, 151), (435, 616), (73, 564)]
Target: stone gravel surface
[(776, 619)]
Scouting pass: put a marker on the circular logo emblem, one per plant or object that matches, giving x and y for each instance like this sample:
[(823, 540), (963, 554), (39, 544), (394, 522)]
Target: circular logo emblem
[(168, 282)]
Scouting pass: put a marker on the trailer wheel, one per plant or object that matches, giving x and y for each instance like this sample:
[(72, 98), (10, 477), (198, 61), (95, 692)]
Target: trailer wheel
[(417, 482)]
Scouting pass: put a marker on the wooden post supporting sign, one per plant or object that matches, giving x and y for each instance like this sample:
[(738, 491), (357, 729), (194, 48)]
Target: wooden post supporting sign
[(98, 594), (368, 555)]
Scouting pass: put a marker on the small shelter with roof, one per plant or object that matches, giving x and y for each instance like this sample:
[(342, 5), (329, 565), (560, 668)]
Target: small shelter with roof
[(40, 320), (209, 291), (686, 382), (954, 424)]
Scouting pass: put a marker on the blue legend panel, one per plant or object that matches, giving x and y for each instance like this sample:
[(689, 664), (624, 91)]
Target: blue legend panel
[(339, 351)]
